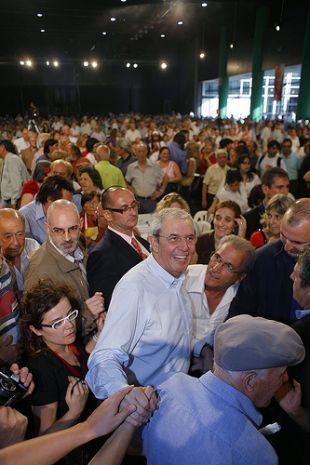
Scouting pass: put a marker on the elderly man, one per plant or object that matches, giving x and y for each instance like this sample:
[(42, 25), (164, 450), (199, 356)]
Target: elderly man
[(119, 250), (16, 248), (54, 188), (212, 287), (110, 174), (147, 335), (147, 181), (61, 259), (213, 420), (215, 175), (267, 289)]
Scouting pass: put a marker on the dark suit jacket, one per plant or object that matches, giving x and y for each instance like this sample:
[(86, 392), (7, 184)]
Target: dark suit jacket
[(109, 261), (253, 218), (267, 289)]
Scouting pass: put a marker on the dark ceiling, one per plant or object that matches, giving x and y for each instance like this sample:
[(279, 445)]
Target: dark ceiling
[(73, 29)]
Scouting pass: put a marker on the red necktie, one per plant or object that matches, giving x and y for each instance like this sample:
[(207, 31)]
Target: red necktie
[(138, 248)]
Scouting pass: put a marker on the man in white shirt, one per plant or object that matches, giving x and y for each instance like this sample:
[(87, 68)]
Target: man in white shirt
[(212, 287), (147, 336), (271, 158), (132, 134)]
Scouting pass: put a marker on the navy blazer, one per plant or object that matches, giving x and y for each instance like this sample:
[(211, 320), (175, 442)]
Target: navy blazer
[(109, 261), (267, 290)]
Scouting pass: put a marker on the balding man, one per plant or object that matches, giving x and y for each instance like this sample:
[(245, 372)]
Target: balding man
[(16, 248), (214, 419), (267, 289), (61, 259), (110, 174), (147, 181), (119, 250)]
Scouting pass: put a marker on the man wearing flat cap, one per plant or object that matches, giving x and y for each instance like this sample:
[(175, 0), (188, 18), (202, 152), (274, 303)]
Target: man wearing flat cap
[(214, 419)]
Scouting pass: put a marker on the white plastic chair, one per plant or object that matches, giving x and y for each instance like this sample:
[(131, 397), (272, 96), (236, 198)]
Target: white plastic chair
[(202, 215)]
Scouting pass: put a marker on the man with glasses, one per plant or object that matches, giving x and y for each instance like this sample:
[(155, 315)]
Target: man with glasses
[(60, 258), (119, 250), (211, 289), (147, 336), (267, 289)]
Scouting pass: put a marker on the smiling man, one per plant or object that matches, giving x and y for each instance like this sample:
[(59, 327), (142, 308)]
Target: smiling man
[(147, 336), (212, 287), (267, 289)]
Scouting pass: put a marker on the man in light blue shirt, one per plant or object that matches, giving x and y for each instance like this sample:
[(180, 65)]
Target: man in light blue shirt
[(147, 336), (54, 188), (213, 420)]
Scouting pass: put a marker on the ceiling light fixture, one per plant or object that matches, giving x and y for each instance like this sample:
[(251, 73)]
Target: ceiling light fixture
[(104, 33), (39, 15), (135, 65), (162, 36), (231, 45), (47, 63), (42, 30), (123, 1), (202, 55), (113, 19), (180, 23), (163, 65), (94, 64), (22, 62), (56, 63), (85, 63), (128, 65), (204, 4), (29, 63), (277, 27)]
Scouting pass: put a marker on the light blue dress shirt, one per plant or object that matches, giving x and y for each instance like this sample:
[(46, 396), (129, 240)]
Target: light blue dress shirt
[(35, 220), (205, 422), (147, 336)]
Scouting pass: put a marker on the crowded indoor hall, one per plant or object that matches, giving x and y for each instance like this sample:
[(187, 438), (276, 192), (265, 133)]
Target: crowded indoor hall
[(155, 232)]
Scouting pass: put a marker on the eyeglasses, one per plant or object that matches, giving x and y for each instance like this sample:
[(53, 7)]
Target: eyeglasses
[(60, 323), (135, 206), (225, 265), (18, 235), (177, 240), (63, 231)]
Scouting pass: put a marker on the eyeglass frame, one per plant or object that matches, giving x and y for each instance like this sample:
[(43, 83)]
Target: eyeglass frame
[(63, 231), (135, 206), (226, 266), (62, 320), (176, 239)]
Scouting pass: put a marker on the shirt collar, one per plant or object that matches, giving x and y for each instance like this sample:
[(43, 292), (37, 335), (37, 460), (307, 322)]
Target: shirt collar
[(301, 313), (232, 396), (77, 255), (162, 274)]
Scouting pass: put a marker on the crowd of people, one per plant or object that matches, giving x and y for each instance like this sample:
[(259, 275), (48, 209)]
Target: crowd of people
[(160, 267)]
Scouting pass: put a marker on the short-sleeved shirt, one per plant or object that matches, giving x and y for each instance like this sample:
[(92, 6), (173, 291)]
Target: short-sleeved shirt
[(214, 177), (147, 181)]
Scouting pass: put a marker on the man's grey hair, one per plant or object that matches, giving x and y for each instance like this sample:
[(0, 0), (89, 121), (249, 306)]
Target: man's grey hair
[(61, 204), (167, 214), (221, 152), (10, 213), (239, 243), (304, 264), (299, 212)]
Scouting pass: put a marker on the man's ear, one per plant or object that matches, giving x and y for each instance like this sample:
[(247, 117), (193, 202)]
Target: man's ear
[(81, 222), (36, 331), (153, 240), (249, 381), (265, 189)]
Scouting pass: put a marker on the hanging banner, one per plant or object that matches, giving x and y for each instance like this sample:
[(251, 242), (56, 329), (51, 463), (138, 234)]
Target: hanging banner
[(278, 82)]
